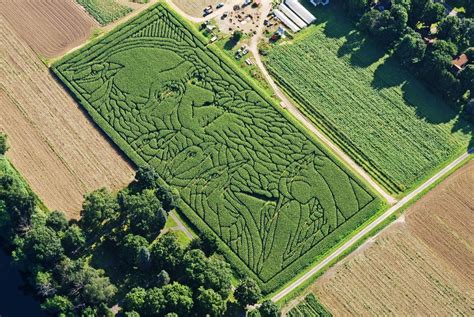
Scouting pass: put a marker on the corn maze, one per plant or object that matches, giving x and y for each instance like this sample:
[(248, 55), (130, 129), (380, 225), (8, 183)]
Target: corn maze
[(245, 170)]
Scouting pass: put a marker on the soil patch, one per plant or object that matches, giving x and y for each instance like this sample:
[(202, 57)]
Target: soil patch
[(50, 27)]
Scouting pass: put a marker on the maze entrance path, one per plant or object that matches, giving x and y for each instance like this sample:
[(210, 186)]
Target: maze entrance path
[(245, 170)]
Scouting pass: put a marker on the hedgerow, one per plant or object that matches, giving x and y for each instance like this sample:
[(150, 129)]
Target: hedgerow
[(105, 11), (246, 171), (380, 114)]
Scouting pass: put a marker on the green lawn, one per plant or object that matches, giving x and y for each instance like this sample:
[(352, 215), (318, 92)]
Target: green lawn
[(105, 11), (245, 170), (377, 112)]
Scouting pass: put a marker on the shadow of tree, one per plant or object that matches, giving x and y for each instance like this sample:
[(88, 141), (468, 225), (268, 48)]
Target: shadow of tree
[(366, 54), (231, 43), (352, 44), (428, 105)]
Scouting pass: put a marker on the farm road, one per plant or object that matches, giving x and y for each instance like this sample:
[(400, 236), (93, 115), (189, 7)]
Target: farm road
[(369, 228), (288, 105), (181, 226)]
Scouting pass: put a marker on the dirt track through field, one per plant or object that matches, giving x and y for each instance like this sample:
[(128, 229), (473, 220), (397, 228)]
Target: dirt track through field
[(53, 144), (421, 265), (50, 27)]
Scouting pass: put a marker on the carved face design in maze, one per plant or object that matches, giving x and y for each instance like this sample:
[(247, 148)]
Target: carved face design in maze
[(257, 181)]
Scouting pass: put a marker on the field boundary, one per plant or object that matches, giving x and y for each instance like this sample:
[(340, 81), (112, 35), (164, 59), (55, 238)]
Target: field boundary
[(433, 181)]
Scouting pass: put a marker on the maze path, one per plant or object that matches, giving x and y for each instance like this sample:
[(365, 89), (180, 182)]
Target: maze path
[(272, 194)]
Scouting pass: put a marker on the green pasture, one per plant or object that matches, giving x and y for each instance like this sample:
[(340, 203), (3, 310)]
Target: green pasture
[(380, 114), (105, 11), (245, 170)]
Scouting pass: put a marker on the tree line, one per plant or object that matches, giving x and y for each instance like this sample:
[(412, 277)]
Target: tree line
[(405, 27), (116, 260)]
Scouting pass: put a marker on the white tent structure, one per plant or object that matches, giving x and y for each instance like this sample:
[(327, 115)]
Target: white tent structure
[(300, 10), (293, 17), (285, 20)]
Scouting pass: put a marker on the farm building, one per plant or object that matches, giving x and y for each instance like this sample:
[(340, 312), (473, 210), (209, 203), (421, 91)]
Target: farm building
[(460, 62), (300, 10), (286, 21), (290, 14), (318, 2), (294, 15)]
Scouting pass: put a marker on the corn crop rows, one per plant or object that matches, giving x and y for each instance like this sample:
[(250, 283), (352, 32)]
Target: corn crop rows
[(380, 114), (105, 11)]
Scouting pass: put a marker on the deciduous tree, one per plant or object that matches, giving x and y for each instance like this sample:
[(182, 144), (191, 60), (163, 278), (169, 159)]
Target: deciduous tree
[(247, 292)]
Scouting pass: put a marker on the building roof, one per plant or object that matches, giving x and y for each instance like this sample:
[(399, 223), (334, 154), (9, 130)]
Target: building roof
[(300, 10), (461, 61), (283, 18), (293, 17)]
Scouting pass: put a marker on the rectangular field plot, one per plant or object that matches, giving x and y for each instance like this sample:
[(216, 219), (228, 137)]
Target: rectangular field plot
[(245, 171), (377, 112)]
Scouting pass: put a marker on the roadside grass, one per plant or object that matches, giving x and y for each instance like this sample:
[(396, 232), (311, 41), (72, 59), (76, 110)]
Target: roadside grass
[(382, 116)]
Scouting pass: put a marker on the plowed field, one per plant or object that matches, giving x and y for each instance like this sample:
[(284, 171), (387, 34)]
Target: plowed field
[(421, 265), (50, 27), (53, 144)]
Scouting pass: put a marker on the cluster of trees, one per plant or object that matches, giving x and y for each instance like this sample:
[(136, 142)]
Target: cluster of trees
[(118, 255), (403, 27), (3, 143)]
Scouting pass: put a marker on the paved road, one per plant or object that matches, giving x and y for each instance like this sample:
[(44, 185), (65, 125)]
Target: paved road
[(369, 228), (181, 226)]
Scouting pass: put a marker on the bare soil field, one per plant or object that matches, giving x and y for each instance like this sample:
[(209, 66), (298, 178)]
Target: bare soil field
[(420, 265), (50, 27), (53, 144)]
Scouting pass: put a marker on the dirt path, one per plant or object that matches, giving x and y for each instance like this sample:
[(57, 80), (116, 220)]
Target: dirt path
[(369, 228), (54, 145)]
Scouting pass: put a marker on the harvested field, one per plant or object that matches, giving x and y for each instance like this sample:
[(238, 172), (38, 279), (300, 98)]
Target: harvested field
[(245, 170), (53, 144), (421, 265), (50, 27)]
